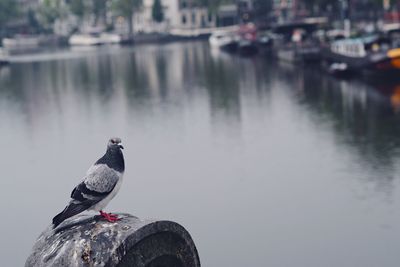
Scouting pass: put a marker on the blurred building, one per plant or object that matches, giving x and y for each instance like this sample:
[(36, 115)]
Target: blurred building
[(245, 10), (22, 24), (285, 10), (187, 14), (228, 15), (25, 5), (178, 14)]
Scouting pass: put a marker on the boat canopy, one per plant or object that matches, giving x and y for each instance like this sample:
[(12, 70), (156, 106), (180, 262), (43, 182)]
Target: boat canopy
[(354, 47)]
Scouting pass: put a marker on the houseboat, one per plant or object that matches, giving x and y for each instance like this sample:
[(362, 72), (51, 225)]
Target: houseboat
[(371, 54), (299, 42)]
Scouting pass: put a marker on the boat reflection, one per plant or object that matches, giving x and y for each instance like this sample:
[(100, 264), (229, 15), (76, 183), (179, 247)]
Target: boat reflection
[(395, 98), (364, 118)]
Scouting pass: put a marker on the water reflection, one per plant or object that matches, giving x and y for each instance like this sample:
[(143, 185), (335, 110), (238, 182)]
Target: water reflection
[(248, 142), (363, 115)]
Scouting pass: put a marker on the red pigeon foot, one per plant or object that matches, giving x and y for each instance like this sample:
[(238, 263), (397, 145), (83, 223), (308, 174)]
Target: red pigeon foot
[(109, 216)]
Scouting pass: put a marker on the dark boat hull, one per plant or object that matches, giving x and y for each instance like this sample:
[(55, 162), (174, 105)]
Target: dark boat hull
[(378, 63), (230, 47), (247, 48)]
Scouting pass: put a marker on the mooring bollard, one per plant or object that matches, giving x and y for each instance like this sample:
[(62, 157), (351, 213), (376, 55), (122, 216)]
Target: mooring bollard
[(90, 241)]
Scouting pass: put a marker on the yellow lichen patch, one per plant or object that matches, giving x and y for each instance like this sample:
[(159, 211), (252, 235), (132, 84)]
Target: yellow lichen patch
[(86, 253)]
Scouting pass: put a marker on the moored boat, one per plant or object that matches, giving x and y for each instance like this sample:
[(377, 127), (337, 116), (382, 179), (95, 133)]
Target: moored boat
[(96, 38), (4, 59), (21, 43), (247, 44), (110, 38), (224, 40), (299, 42), (84, 40), (265, 40), (372, 54)]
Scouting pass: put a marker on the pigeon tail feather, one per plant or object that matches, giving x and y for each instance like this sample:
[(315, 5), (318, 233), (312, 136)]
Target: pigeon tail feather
[(69, 211)]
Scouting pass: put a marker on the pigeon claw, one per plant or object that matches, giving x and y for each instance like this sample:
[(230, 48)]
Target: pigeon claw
[(109, 216)]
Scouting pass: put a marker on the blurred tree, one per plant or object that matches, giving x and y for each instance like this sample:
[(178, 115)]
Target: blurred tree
[(127, 8), (78, 8), (157, 11), (99, 9), (48, 12), (8, 10), (33, 21)]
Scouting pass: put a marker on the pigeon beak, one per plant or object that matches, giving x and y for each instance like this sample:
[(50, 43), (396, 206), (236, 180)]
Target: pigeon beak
[(120, 146)]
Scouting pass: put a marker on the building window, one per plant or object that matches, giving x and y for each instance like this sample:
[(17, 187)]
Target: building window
[(183, 19), (193, 18), (183, 4)]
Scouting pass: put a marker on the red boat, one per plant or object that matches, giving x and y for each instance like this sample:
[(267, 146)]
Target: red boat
[(247, 44)]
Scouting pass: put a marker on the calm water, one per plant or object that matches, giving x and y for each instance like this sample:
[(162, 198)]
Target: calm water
[(264, 164)]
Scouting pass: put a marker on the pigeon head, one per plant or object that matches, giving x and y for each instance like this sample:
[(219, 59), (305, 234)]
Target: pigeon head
[(113, 157), (114, 142)]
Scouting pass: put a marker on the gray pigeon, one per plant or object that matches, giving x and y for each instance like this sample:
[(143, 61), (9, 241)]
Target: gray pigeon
[(99, 186)]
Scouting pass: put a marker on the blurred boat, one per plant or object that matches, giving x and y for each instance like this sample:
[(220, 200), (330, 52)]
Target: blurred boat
[(84, 40), (110, 38), (224, 40), (21, 43), (265, 40), (375, 54), (95, 38), (299, 42), (247, 44), (4, 59)]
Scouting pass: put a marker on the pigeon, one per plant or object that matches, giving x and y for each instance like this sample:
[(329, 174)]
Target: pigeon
[(99, 186)]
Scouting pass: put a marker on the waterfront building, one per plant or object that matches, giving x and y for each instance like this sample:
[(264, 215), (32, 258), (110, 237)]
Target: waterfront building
[(178, 14), (22, 23), (285, 10), (227, 15)]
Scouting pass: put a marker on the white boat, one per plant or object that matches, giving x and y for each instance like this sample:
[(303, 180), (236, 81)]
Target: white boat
[(4, 59), (84, 40), (21, 43), (373, 54), (224, 40), (92, 39), (110, 38)]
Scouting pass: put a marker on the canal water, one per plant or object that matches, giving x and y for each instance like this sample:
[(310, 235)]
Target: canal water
[(266, 164)]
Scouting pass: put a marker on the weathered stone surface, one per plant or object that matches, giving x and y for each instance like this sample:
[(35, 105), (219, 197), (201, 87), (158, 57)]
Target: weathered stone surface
[(89, 241)]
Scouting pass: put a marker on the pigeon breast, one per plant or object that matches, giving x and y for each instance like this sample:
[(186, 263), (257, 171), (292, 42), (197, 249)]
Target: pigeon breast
[(101, 178)]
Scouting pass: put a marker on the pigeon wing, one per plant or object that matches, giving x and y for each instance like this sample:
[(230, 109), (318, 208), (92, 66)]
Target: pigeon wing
[(97, 185)]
